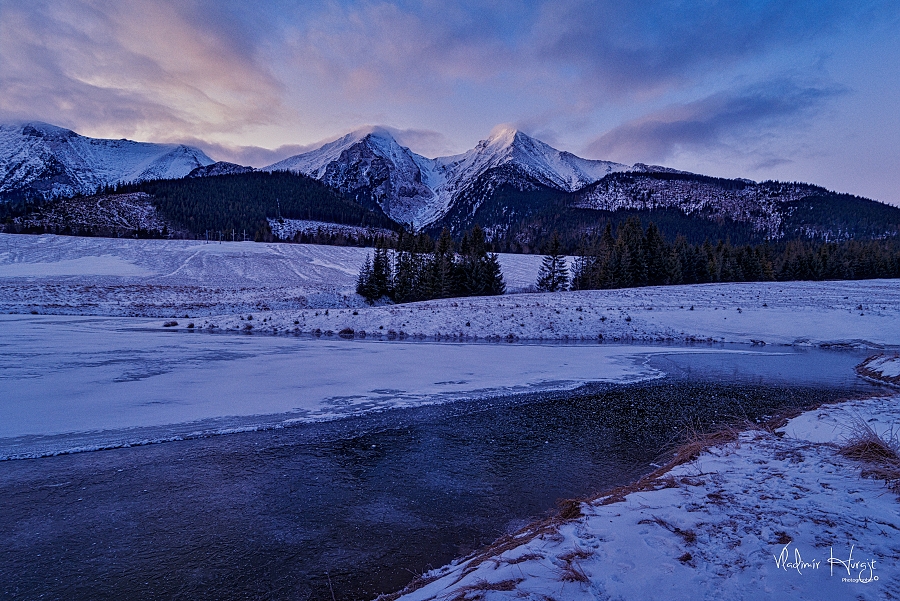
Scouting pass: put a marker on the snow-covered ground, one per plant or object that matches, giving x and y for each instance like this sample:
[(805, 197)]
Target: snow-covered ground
[(769, 516), (862, 314), (164, 278), (882, 368), (219, 284)]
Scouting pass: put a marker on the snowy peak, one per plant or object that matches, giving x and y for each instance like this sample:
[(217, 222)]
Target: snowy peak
[(314, 162), (547, 165), (411, 188), (369, 165), (43, 159)]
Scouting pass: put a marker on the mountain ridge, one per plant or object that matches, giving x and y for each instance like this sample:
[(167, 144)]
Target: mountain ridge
[(414, 189), (47, 161)]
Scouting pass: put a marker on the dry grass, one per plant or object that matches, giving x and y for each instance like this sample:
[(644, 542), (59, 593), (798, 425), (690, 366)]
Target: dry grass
[(689, 536), (574, 573), (864, 370), (880, 453), (569, 509), (476, 591)]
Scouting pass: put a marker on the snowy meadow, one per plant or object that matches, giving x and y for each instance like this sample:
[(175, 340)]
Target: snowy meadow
[(291, 418)]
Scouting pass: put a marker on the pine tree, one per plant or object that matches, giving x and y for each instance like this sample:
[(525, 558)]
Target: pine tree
[(381, 271), (442, 268), (657, 254), (553, 275), (364, 281), (478, 272)]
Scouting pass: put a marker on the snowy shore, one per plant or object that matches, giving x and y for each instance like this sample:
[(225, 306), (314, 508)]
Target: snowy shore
[(863, 314), (769, 515)]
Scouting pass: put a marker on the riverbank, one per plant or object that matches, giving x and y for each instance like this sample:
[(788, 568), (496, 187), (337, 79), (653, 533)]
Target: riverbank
[(858, 314), (786, 513)]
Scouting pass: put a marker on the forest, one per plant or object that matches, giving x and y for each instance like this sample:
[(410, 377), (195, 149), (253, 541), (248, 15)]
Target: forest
[(409, 268), (244, 202), (418, 268)]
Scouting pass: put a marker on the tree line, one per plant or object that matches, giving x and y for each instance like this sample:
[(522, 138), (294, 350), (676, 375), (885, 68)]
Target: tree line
[(634, 256), (413, 267)]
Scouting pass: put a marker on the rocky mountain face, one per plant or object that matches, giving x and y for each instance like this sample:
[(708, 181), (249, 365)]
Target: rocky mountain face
[(220, 168), (37, 159), (369, 166), (373, 168)]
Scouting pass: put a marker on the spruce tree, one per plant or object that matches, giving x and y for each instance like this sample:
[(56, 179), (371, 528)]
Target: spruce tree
[(478, 272), (553, 275), (381, 271), (441, 281), (364, 281)]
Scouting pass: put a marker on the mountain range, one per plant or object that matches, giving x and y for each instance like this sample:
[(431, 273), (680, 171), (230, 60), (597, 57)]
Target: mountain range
[(373, 168), (510, 184), (37, 159)]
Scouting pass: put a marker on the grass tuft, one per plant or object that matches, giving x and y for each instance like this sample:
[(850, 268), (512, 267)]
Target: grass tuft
[(880, 453)]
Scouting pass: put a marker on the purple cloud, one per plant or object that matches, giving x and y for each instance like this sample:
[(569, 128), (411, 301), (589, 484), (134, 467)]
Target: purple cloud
[(710, 123)]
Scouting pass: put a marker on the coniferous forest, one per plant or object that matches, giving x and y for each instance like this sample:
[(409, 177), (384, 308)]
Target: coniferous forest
[(633, 256), (414, 267), (845, 238), (244, 202)]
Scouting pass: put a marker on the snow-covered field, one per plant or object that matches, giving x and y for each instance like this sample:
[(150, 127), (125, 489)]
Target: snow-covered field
[(218, 285), (769, 516), (166, 278), (853, 314)]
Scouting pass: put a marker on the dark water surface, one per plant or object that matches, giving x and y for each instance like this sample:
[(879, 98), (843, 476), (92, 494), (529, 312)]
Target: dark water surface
[(358, 506)]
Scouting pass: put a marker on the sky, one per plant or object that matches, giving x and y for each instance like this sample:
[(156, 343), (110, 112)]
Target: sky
[(789, 90)]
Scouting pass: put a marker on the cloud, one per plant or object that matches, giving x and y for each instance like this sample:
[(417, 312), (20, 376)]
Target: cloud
[(254, 156), (629, 49), (425, 142), (711, 123), (573, 54), (404, 52), (422, 141), (275, 72), (142, 69)]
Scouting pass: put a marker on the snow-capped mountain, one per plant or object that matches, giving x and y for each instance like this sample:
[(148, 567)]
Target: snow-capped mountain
[(370, 165), (52, 161), (538, 161)]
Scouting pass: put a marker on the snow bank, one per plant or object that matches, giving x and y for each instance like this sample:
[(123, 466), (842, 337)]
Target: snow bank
[(863, 314), (883, 368), (770, 516)]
